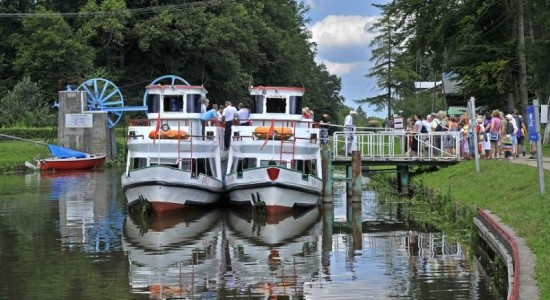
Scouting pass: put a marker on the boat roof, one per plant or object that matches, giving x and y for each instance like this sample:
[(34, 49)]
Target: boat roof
[(166, 88), (277, 90)]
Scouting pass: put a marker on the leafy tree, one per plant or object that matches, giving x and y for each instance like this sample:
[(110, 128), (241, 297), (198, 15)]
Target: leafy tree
[(49, 51), (393, 66), (24, 106), (106, 30)]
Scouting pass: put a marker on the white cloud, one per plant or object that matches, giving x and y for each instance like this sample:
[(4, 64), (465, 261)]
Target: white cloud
[(339, 69), (343, 31)]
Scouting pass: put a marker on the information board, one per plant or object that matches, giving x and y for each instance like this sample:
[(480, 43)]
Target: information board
[(79, 121)]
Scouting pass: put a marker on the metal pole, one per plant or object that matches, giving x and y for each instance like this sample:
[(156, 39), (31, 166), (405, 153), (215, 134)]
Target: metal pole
[(539, 146), (473, 125)]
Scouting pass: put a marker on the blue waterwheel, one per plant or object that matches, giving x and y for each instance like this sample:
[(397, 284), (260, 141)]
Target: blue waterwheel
[(165, 80), (103, 95)]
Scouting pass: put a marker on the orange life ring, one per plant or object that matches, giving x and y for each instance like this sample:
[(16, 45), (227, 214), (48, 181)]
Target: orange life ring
[(168, 134), (281, 133)]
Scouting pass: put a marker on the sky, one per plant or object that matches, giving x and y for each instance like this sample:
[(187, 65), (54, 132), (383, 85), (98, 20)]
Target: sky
[(341, 30)]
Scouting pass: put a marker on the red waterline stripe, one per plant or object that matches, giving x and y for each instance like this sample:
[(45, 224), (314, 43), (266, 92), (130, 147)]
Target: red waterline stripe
[(514, 295)]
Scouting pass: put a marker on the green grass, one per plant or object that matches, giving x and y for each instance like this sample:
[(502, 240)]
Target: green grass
[(17, 152), (509, 190)]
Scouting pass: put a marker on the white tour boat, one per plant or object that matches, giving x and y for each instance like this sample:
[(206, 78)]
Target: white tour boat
[(170, 164), (275, 163)]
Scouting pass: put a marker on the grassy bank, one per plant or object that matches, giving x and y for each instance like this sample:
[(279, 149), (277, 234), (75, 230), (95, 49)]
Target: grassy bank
[(13, 154), (510, 191)]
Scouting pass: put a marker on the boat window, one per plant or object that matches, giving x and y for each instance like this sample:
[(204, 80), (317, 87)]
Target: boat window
[(305, 166), (265, 163), (295, 105), (257, 104), (205, 166), (194, 103), (173, 103), (139, 162), (275, 105), (153, 103), (241, 164)]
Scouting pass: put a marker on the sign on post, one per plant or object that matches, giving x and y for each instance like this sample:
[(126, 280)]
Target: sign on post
[(531, 124), (398, 123)]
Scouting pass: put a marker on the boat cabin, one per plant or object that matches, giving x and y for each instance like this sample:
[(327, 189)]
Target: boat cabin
[(295, 144), (175, 103), (278, 103)]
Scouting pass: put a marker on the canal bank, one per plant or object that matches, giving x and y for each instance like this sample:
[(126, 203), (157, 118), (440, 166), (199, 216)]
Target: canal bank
[(510, 192)]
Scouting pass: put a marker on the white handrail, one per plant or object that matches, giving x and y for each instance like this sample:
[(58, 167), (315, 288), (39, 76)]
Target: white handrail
[(397, 145)]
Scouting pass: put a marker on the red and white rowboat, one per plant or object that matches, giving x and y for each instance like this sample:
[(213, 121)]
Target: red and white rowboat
[(73, 163)]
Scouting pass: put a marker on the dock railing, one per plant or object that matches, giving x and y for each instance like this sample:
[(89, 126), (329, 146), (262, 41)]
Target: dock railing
[(395, 145)]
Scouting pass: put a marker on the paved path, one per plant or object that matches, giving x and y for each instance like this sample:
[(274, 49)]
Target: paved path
[(528, 284), (532, 162)]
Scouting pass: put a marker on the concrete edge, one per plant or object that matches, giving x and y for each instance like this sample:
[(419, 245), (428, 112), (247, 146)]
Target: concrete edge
[(528, 287)]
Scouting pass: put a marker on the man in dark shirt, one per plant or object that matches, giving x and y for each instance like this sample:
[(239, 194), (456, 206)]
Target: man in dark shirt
[(324, 122)]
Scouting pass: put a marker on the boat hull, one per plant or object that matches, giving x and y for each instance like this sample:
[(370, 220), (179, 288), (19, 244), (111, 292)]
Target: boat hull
[(71, 163), (282, 193), (169, 189)]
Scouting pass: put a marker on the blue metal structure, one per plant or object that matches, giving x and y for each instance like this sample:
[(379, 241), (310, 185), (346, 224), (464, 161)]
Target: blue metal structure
[(173, 80), (103, 95)]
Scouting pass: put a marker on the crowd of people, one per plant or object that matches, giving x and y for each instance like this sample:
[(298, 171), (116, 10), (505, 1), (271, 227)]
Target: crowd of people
[(499, 135), (224, 115)]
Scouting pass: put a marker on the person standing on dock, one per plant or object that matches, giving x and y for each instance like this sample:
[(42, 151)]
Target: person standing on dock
[(349, 129), (228, 115), (324, 122)]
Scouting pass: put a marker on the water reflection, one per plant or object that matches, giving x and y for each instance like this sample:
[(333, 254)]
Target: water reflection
[(88, 248), (273, 256), (88, 217), (171, 255)]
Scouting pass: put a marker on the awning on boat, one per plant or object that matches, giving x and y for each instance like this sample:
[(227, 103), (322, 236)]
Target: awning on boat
[(62, 152)]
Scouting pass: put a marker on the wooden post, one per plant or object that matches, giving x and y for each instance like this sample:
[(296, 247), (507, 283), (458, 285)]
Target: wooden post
[(403, 179), (327, 172), (357, 226), (328, 221), (357, 187), (348, 180)]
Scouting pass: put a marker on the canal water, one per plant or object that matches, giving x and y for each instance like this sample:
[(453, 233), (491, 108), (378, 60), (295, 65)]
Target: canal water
[(68, 236)]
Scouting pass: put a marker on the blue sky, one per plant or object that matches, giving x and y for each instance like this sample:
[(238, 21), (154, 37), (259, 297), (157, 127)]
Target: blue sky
[(340, 28)]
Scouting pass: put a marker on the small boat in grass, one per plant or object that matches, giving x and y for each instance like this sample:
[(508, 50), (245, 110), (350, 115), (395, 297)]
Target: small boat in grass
[(62, 159)]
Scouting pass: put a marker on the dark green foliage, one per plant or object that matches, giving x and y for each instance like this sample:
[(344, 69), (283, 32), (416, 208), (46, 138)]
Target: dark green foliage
[(25, 106), (224, 45), (477, 40)]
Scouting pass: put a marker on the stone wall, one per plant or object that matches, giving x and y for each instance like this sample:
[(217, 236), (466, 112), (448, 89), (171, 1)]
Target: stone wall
[(83, 130)]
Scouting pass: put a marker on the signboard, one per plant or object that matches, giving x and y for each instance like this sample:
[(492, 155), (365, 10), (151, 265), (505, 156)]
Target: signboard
[(544, 114), (398, 123), (531, 129), (79, 121)]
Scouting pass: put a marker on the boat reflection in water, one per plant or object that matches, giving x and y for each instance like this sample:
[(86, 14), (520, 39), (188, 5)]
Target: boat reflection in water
[(273, 255), (171, 254), (88, 218)]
